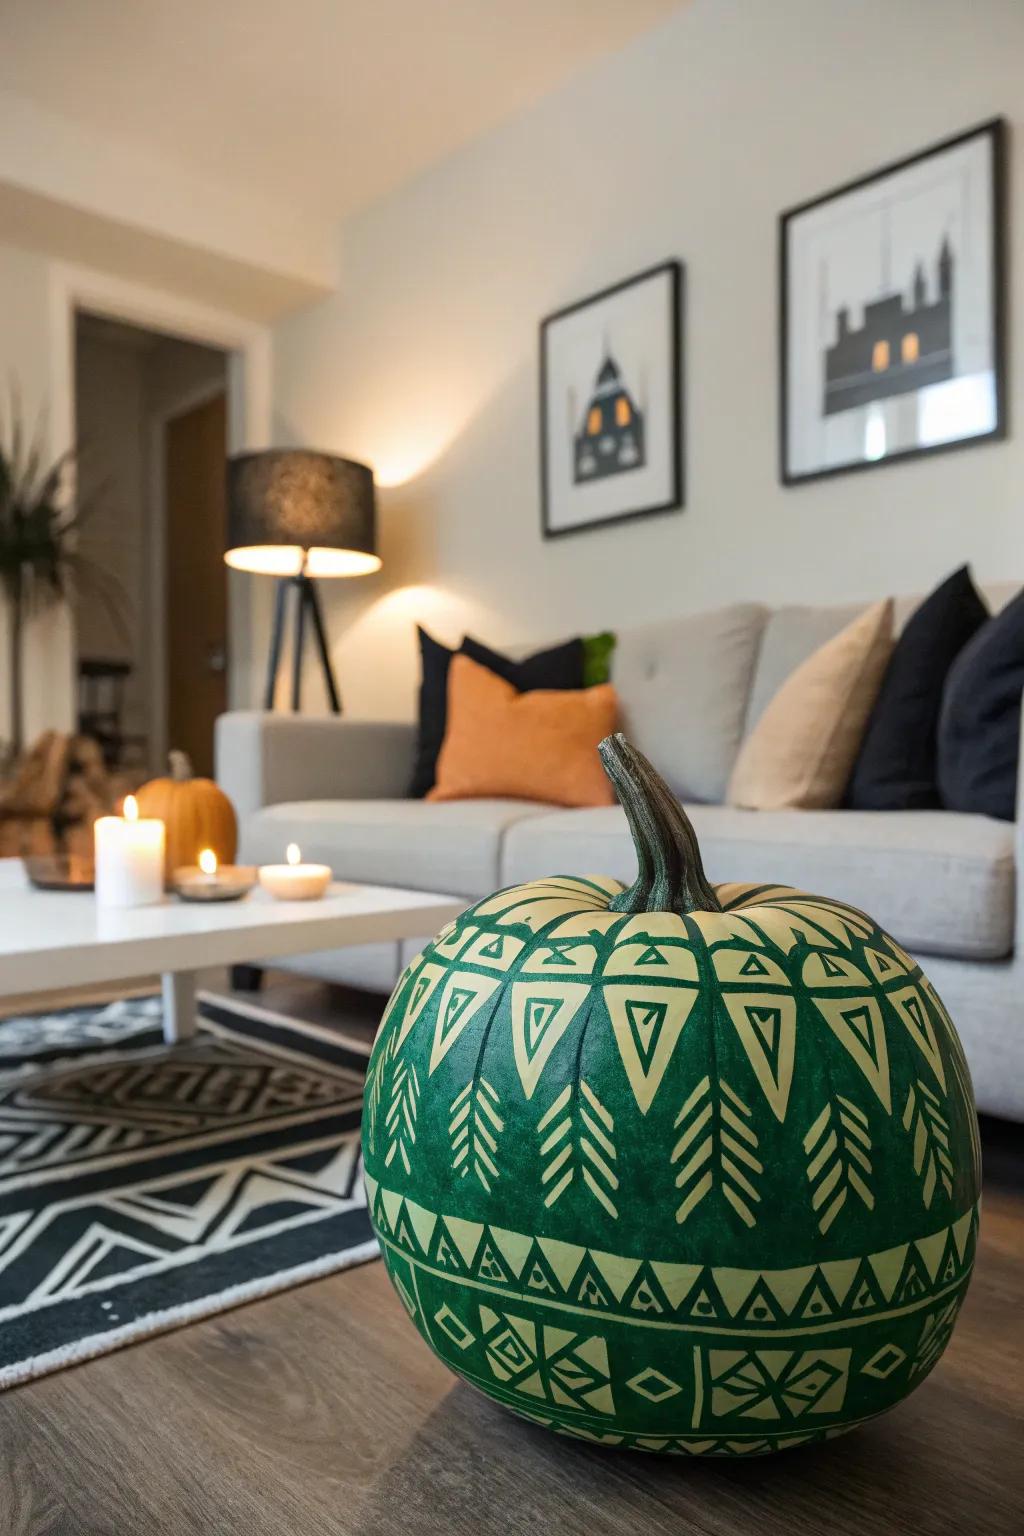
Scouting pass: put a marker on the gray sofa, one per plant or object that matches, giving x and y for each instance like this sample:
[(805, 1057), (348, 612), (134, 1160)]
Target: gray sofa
[(944, 884)]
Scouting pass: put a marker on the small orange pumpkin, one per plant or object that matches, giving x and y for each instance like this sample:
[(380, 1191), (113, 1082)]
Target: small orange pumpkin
[(196, 813)]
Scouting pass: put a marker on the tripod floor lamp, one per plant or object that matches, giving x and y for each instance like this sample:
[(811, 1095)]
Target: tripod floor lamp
[(300, 516)]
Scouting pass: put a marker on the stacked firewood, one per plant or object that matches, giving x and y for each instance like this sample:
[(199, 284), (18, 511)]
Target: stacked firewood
[(54, 793)]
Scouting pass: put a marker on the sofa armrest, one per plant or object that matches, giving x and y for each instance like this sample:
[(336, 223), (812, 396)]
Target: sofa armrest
[(1018, 924), (266, 759)]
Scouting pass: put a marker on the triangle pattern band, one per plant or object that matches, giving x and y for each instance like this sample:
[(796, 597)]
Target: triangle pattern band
[(823, 969), (754, 1299), (884, 967), (910, 1006), (541, 1013), (647, 1022), (652, 955), (740, 967), (857, 1024), (495, 951), (462, 999), (423, 985), (766, 1025)]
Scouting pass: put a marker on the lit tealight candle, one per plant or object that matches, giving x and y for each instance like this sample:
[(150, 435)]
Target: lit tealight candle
[(211, 881), (129, 853), (295, 881)]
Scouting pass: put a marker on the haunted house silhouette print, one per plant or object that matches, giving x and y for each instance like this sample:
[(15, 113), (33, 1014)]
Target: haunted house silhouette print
[(611, 436), (897, 348)]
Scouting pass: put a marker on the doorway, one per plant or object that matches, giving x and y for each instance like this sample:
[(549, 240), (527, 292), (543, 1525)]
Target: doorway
[(152, 629), (196, 589)]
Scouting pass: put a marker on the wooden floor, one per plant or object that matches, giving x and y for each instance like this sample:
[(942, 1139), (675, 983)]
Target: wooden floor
[(319, 1411)]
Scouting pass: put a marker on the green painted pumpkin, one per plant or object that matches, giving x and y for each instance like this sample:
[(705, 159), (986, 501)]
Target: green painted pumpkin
[(674, 1167)]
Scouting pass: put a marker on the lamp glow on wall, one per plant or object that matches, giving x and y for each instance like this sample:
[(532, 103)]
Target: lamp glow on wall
[(299, 516)]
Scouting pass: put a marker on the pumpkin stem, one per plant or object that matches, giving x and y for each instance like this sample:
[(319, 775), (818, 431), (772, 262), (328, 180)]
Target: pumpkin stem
[(181, 766), (670, 875)]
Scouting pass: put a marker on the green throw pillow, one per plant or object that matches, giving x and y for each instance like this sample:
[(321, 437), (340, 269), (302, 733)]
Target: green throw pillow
[(597, 658)]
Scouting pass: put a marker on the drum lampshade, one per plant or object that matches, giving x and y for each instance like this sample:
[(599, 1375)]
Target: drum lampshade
[(291, 510)]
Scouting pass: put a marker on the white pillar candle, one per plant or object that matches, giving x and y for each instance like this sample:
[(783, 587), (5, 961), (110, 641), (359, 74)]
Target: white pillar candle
[(129, 856)]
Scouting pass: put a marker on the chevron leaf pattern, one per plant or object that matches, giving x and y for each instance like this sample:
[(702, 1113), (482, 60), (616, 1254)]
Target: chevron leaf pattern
[(924, 1119), (958, 1061), (577, 1136), (838, 1147), (400, 1122), (374, 1084), (717, 1145), (474, 1129)]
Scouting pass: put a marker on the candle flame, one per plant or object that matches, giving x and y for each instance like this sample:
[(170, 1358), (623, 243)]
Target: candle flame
[(208, 861), (131, 808), (292, 853)]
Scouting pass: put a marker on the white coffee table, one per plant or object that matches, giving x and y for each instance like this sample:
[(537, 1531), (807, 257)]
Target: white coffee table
[(51, 939)]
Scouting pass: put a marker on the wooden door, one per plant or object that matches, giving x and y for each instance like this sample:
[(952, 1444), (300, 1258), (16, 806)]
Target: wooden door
[(196, 578)]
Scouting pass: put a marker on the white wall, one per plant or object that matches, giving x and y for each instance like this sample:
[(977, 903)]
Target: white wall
[(688, 143)]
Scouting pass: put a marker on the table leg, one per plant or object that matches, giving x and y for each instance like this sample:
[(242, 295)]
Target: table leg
[(179, 993)]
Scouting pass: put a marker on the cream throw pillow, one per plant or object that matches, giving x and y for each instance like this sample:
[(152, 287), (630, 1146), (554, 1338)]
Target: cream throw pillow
[(801, 752)]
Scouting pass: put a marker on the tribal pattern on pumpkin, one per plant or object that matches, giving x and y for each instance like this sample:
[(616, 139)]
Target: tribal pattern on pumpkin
[(702, 1183), (542, 1042), (655, 1355)]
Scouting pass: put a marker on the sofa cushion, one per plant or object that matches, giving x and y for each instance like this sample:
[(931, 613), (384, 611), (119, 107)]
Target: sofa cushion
[(539, 746), (683, 688), (450, 846), (560, 666), (793, 632), (800, 753), (897, 766), (979, 726), (791, 635), (939, 882)]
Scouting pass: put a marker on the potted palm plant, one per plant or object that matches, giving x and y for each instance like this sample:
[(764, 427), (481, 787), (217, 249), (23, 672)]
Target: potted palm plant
[(40, 560)]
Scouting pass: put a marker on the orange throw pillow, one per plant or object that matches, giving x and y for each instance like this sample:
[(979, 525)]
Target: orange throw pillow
[(540, 745)]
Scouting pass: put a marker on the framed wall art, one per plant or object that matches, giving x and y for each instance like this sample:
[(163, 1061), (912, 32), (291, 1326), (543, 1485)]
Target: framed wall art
[(891, 312), (611, 429)]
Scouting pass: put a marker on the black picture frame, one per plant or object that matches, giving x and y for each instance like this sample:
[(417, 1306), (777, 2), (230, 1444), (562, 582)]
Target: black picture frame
[(995, 129), (675, 501)]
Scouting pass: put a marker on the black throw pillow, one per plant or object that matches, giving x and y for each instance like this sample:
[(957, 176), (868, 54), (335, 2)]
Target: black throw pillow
[(897, 766), (435, 659), (561, 666), (979, 731)]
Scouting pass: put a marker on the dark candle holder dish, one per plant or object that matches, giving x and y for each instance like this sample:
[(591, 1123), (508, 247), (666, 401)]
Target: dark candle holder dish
[(60, 871)]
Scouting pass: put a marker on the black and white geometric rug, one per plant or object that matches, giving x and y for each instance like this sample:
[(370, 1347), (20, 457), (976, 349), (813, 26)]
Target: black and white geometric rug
[(142, 1187)]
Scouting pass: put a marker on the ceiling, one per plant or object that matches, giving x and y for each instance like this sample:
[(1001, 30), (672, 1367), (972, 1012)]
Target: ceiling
[(320, 105)]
